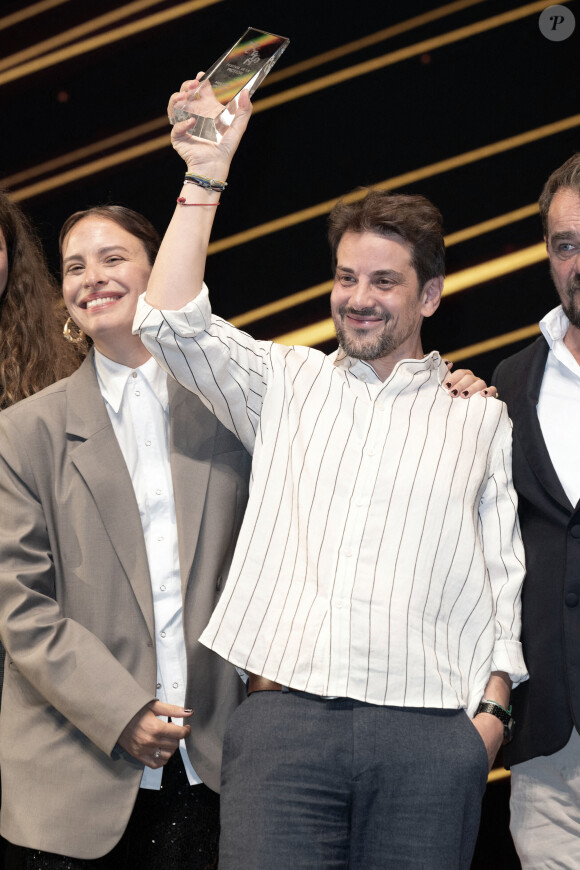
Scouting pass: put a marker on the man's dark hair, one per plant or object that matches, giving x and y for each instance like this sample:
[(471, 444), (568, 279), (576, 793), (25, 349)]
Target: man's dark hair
[(567, 175), (411, 218)]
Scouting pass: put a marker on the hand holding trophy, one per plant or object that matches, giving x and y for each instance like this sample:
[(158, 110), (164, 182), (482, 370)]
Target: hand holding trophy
[(214, 101)]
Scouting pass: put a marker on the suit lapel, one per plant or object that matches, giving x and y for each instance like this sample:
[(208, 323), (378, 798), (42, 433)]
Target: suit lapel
[(529, 432), (100, 463), (192, 434)]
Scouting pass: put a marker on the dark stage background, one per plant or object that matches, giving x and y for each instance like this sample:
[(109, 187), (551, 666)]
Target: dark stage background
[(467, 103)]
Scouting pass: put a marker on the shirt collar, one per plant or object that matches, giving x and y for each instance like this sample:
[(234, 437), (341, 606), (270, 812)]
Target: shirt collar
[(113, 377), (554, 326), (364, 371)]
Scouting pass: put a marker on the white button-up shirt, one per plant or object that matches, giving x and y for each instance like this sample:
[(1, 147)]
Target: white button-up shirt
[(380, 556), (138, 406), (561, 389)]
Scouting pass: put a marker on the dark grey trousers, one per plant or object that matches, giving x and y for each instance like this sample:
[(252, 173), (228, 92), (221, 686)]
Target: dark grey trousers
[(315, 784)]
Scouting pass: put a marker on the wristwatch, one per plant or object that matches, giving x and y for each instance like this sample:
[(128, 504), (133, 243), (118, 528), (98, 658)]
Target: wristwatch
[(505, 717)]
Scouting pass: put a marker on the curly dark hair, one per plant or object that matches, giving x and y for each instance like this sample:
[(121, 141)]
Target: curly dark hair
[(33, 353)]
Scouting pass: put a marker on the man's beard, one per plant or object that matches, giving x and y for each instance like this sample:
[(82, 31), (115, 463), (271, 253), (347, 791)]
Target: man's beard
[(571, 308), (363, 347)]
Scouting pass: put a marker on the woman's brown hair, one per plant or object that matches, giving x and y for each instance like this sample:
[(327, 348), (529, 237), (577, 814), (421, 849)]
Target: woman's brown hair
[(33, 353)]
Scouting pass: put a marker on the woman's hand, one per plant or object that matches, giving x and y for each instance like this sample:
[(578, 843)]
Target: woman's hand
[(463, 383), (202, 156)]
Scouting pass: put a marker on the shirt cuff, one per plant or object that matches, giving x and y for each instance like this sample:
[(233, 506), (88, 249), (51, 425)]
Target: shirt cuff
[(509, 658), (193, 318)]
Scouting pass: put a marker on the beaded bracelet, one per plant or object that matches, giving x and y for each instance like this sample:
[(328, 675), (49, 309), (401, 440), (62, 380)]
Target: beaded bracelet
[(205, 182), (181, 201)]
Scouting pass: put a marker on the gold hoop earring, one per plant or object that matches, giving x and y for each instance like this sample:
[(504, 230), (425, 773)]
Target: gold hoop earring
[(75, 338)]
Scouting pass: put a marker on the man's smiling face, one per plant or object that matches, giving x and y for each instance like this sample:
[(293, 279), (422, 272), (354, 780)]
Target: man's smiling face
[(376, 303)]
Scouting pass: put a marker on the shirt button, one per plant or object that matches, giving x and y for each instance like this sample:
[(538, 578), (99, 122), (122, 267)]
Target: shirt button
[(148, 444), (160, 538), (158, 685), (347, 554), (157, 492), (163, 587), (176, 685), (162, 633), (133, 374)]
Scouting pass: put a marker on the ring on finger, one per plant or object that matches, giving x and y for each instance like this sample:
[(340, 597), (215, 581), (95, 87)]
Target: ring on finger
[(157, 753)]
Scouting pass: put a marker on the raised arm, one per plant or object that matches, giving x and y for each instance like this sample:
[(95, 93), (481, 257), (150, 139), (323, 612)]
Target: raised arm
[(179, 268)]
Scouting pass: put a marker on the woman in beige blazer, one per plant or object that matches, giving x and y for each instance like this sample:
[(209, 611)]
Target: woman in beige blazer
[(80, 721)]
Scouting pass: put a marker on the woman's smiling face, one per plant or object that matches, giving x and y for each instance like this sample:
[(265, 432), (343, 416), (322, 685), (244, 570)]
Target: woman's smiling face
[(105, 269)]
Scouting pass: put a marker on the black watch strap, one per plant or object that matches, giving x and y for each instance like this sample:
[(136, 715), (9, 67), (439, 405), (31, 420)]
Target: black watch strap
[(505, 717)]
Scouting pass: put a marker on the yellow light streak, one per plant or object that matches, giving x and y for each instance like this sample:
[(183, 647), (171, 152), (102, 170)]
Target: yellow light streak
[(493, 343), (406, 178), (84, 152), (371, 39), (323, 330), (402, 54), (86, 45), (510, 217), (56, 57), (303, 296), (497, 774), (397, 181), (282, 304), (29, 12), (90, 168), (364, 68), (260, 105), (496, 268), (76, 32)]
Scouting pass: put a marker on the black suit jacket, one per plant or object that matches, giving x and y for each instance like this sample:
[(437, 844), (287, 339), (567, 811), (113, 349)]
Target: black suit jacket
[(546, 707)]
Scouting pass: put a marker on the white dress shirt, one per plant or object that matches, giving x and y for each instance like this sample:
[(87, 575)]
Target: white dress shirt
[(561, 389), (138, 406), (380, 556)]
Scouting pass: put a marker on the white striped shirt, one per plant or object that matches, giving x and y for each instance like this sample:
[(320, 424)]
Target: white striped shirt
[(380, 556)]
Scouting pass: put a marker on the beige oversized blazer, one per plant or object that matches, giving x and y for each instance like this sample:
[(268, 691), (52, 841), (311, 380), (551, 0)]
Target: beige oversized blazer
[(76, 610)]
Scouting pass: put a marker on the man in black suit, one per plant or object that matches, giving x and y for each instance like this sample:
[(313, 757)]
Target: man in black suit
[(541, 386)]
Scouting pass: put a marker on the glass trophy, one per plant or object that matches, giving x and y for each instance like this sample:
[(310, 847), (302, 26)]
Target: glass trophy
[(243, 67)]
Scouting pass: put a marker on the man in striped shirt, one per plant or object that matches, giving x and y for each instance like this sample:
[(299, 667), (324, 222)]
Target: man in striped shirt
[(374, 594)]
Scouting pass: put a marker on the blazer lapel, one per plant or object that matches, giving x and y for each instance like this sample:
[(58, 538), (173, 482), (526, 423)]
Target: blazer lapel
[(529, 431), (99, 461), (192, 433)]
